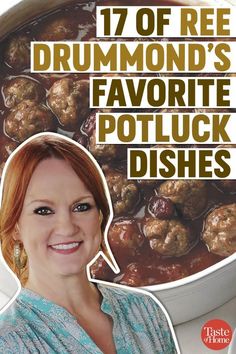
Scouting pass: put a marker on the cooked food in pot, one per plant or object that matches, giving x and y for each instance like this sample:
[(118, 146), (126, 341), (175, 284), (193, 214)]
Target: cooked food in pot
[(22, 88), (124, 193), (167, 237), (7, 146), (137, 275), (102, 152), (28, 118), (106, 152), (101, 270), (17, 53), (219, 232), (162, 230), (125, 236), (189, 196), (69, 101), (133, 275), (59, 28)]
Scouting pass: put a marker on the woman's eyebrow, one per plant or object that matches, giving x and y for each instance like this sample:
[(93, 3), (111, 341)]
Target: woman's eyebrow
[(44, 201), (87, 196), (48, 201)]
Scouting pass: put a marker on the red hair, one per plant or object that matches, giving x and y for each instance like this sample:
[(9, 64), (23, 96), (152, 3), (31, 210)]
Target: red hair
[(17, 177)]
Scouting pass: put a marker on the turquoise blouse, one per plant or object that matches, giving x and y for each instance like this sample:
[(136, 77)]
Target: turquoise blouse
[(33, 324)]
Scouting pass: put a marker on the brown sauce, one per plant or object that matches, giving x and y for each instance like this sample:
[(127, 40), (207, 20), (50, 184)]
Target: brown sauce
[(145, 267)]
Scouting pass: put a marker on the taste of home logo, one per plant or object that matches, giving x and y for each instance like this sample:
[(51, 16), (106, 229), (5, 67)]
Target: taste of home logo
[(216, 334)]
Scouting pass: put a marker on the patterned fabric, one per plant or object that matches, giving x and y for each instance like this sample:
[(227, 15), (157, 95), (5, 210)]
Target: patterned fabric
[(33, 324)]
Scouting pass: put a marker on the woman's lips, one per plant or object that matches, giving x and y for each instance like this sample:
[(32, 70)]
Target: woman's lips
[(65, 248)]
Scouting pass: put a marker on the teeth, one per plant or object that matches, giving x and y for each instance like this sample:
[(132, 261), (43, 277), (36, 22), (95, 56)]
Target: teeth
[(66, 246)]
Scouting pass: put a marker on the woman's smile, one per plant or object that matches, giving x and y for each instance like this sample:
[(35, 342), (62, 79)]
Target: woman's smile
[(66, 248)]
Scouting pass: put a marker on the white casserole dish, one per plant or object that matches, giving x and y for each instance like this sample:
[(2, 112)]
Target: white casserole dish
[(184, 299)]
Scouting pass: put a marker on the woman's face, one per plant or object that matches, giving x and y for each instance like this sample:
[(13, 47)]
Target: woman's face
[(59, 224)]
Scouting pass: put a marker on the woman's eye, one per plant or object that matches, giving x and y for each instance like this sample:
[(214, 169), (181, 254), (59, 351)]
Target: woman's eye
[(43, 211), (82, 207)]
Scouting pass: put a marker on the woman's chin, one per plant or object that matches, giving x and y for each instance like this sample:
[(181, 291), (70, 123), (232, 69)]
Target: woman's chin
[(68, 272)]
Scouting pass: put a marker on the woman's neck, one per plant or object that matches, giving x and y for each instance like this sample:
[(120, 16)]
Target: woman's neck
[(75, 293)]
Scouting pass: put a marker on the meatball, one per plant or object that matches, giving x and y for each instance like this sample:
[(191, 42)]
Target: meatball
[(17, 53), (21, 88), (124, 236), (27, 119), (124, 193), (219, 232), (101, 151), (189, 196), (167, 237), (58, 29), (69, 101), (104, 152)]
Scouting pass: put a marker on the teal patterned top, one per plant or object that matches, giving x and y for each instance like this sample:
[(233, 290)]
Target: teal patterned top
[(33, 324)]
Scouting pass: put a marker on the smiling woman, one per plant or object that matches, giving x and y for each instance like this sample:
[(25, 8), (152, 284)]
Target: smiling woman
[(53, 216), (44, 174)]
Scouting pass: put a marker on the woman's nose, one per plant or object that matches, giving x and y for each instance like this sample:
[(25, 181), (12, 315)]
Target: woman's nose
[(65, 225)]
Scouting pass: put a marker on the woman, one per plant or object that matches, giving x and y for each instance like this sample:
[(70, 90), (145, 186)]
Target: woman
[(53, 216)]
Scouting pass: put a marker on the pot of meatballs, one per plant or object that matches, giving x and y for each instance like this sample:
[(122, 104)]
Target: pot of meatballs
[(175, 238)]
